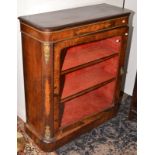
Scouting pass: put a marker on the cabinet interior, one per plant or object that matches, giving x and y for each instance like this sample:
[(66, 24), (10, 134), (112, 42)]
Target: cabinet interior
[(88, 78)]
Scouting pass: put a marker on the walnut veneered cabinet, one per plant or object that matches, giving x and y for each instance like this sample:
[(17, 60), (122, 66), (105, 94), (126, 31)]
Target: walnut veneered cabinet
[(73, 61)]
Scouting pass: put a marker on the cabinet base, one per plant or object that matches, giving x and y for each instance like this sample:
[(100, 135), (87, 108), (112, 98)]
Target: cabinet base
[(65, 136)]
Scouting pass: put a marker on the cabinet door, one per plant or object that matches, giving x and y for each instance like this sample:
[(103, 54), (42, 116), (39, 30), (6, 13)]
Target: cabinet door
[(87, 75)]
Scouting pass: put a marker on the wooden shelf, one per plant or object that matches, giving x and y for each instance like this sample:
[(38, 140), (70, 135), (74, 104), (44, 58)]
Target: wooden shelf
[(87, 53), (87, 90), (88, 77), (88, 64)]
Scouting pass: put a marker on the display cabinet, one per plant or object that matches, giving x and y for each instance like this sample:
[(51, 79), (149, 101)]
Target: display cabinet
[(73, 62)]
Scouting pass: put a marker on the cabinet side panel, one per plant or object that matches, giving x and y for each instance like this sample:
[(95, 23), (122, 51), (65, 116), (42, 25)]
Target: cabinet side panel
[(32, 63)]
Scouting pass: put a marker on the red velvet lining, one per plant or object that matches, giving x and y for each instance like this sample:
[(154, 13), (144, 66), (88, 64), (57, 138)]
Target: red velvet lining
[(89, 76), (88, 104), (91, 51), (99, 99)]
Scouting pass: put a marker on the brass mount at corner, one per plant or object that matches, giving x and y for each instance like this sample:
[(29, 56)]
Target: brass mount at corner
[(46, 50), (47, 132)]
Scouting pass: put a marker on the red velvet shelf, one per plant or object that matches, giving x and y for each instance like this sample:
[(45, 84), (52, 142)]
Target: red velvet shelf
[(88, 104), (85, 53), (82, 79)]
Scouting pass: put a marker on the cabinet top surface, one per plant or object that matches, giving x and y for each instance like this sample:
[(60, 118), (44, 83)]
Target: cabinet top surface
[(57, 20)]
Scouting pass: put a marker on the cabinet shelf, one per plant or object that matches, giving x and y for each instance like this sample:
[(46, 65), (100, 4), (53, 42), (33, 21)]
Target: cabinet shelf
[(88, 64), (88, 104), (87, 90), (90, 52), (88, 77)]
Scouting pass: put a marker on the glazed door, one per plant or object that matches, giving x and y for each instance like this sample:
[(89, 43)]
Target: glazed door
[(87, 75)]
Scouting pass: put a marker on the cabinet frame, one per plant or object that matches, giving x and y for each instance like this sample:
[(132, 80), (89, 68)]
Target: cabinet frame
[(62, 45), (44, 47)]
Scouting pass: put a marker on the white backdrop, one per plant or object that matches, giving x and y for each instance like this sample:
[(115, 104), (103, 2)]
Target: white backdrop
[(26, 7)]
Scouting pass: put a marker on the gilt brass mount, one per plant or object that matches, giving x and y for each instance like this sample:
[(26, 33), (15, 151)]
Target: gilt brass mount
[(47, 132), (46, 49)]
